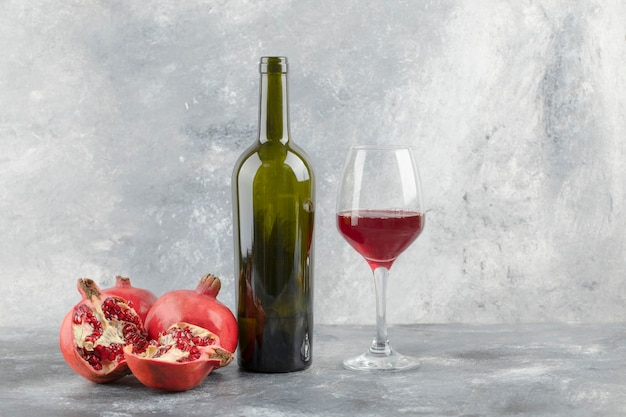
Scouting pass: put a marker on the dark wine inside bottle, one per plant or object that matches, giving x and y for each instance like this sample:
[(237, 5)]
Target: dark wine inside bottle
[(273, 190)]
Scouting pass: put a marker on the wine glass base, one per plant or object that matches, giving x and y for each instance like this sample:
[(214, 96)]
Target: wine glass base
[(369, 361)]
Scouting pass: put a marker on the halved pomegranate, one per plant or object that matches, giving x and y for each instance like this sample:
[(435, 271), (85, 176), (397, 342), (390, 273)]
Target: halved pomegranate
[(179, 359), (94, 333)]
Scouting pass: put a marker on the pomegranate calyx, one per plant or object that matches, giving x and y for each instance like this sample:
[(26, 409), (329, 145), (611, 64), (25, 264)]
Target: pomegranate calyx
[(88, 288), (209, 285), (121, 281)]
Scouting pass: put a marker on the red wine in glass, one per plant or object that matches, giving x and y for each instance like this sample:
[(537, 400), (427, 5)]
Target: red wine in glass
[(380, 235)]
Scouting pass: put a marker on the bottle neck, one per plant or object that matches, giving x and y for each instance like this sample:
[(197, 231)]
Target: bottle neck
[(273, 108)]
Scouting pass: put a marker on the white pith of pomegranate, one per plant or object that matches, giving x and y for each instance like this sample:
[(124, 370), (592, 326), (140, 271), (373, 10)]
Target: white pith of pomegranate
[(182, 343)]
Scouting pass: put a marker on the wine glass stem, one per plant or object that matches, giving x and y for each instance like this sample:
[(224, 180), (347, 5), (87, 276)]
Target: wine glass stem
[(380, 344)]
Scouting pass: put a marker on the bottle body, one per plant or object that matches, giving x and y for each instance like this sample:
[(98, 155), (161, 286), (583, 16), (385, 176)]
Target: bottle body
[(273, 217)]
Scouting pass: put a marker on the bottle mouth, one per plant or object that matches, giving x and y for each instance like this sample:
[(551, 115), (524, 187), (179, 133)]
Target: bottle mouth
[(273, 64)]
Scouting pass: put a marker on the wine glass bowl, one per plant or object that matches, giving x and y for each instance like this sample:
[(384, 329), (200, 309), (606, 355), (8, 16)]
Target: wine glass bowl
[(379, 213)]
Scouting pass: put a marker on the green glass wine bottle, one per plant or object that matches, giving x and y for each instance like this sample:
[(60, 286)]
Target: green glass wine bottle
[(273, 212)]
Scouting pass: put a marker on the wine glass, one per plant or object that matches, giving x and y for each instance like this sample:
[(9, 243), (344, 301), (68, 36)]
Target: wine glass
[(379, 212)]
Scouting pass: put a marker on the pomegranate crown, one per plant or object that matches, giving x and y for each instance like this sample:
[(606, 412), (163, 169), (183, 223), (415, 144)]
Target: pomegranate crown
[(209, 285)]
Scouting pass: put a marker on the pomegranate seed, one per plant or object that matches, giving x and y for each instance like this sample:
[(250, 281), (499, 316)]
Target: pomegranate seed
[(113, 352), (80, 313), (161, 351), (99, 351), (91, 359)]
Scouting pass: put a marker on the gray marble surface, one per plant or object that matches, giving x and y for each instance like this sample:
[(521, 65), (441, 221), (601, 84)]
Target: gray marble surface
[(486, 370)]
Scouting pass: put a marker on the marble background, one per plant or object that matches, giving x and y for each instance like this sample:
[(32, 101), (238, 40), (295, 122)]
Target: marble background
[(120, 122)]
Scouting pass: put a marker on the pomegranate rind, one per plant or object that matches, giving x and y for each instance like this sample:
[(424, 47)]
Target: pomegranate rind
[(169, 376)]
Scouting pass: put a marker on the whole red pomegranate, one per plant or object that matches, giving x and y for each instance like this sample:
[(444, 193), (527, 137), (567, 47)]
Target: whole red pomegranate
[(95, 331), (199, 307), (138, 298), (179, 359)]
